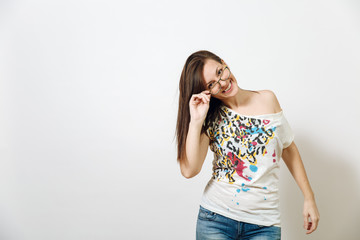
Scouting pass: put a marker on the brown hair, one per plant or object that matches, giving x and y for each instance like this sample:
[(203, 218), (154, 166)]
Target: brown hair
[(192, 82)]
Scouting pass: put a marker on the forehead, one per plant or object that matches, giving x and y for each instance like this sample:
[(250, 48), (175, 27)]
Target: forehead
[(210, 70)]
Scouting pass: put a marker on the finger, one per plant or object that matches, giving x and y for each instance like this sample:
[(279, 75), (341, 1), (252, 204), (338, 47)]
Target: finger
[(315, 222), (196, 100), (305, 222), (309, 222), (206, 96), (205, 99), (312, 224), (207, 92), (199, 96), (310, 228)]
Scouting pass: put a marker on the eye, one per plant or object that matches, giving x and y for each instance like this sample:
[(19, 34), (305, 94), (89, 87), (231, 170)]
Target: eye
[(219, 72), (211, 84)]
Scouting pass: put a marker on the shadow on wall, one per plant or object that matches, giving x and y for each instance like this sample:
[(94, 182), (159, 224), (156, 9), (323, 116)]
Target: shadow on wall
[(336, 189)]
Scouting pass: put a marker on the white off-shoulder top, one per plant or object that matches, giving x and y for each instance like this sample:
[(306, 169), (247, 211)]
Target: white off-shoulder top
[(245, 180)]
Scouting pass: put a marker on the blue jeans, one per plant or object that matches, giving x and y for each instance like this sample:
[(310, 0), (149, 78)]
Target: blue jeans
[(211, 226)]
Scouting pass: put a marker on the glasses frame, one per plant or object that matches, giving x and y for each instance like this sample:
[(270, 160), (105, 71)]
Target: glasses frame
[(217, 82)]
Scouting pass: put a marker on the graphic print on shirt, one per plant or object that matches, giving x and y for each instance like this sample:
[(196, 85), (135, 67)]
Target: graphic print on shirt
[(237, 141)]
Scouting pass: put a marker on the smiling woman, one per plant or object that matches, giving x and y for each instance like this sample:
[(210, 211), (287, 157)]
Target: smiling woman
[(215, 86), (248, 133)]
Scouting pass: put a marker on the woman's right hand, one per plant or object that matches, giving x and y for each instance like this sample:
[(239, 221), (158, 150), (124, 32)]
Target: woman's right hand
[(199, 106)]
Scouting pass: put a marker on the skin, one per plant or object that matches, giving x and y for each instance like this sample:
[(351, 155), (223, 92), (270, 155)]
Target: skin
[(249, 103)]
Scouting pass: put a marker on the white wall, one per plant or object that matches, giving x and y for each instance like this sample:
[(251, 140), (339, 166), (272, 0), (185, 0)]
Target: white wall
[(88, 104)]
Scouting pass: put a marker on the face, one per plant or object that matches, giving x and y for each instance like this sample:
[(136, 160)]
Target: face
[(212, 73)]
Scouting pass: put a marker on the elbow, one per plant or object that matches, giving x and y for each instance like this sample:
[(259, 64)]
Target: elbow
[(187, 172), (188, 175)]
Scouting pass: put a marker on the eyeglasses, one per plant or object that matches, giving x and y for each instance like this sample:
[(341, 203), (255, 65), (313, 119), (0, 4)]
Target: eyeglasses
[(215, 87)]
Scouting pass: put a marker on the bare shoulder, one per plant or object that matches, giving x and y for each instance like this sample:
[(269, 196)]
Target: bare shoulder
[(269, 97)]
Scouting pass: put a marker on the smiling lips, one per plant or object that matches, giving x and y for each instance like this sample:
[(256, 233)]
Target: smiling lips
[(228, 88)]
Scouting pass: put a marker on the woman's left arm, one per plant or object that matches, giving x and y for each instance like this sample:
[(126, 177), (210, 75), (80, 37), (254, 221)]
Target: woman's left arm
[(292, 159)]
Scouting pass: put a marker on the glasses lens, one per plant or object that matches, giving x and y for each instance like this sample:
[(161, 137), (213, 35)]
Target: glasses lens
[(215, 88), (226, 74)]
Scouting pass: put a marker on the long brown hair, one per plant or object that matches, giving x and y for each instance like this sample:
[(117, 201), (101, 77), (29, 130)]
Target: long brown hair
[(192, 82)]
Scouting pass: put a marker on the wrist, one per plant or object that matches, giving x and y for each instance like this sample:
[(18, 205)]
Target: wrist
[(197, 123), (309, 197)]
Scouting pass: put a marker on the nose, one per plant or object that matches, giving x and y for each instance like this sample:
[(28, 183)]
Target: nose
[(224, 83)]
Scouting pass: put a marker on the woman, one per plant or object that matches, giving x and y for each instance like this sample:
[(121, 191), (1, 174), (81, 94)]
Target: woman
[(248, 133)]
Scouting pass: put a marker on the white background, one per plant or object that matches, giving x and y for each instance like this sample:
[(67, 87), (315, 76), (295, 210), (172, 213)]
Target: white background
[(88, 107)]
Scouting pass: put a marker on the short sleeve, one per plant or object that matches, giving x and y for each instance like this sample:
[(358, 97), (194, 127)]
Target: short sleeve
[(286, 134)]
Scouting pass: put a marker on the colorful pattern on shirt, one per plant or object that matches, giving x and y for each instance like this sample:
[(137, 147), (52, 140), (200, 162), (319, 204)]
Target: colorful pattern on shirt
[(237, 142)]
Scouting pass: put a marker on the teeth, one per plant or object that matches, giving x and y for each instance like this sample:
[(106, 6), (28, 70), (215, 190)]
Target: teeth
[(228, 87)]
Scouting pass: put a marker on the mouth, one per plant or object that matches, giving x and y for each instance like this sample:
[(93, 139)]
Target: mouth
[(228, 89)]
